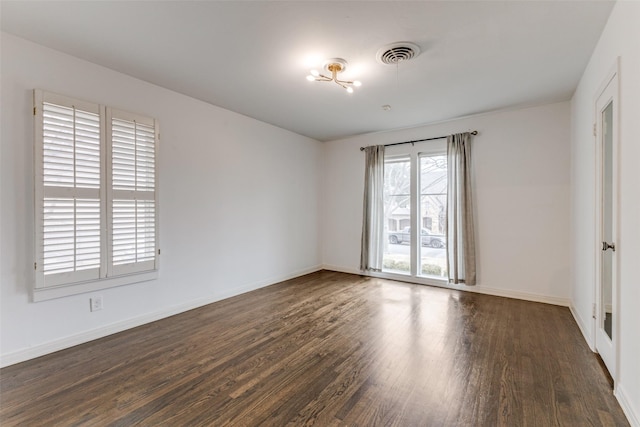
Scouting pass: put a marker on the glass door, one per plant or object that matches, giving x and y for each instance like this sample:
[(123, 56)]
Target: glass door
[(415, 213), (396, 256), (606, 307), (433, 216)]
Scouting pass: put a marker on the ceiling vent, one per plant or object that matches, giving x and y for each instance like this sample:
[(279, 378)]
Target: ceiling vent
[(397, 52)]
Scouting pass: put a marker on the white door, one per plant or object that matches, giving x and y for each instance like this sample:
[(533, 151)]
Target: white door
[(606, 307)]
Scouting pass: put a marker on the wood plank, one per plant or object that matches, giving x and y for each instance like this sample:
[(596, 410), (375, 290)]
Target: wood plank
[(326, 349)]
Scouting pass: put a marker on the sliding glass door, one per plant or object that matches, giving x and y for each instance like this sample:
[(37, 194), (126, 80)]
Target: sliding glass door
[(433, 215), (397, 215), (415, 204)]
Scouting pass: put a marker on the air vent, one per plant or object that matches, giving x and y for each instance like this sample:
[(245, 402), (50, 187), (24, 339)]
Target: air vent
[(397, 52)]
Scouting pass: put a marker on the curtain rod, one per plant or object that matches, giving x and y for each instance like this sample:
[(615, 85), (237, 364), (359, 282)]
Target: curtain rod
[(475, 132)]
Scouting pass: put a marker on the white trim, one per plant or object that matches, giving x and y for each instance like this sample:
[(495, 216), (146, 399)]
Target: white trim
[(582, 325), (340, 269), (626, 406), (80, 281), (71, 192), (134, 267), (42, 191), (607, 348), (507, 293), (479, 289), (130, 117), (108, 196), (68, 289), (156, 192), (84, 337), (69, 102), (414, 213), (135, 194), (38, 189), (69, 278)]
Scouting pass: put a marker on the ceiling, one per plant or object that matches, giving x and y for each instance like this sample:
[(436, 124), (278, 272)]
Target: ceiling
[(253, 57)]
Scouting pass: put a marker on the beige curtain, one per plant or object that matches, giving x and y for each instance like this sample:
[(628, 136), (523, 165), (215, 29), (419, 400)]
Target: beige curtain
[(373, 209), (461, 254)]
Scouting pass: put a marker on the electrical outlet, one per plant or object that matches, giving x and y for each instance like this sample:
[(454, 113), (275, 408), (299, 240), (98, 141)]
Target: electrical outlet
[(96, 303)]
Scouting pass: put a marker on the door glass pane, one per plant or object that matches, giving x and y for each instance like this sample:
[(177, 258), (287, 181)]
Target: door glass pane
[(397, 213), (433, 215), (607, 219)]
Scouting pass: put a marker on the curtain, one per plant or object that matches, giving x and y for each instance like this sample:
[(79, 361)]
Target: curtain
[(373, 209), (461, 254)]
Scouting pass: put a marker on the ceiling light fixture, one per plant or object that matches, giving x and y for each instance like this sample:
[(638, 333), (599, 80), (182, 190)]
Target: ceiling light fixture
[(334, 66)]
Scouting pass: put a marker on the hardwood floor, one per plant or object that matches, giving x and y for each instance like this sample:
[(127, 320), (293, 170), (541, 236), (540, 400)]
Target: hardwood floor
[(326, 349)]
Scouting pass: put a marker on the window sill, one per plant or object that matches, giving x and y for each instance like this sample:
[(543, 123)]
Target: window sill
[(44, 294)]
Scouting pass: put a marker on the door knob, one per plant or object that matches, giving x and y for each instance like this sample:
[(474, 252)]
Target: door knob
[(606, 246)]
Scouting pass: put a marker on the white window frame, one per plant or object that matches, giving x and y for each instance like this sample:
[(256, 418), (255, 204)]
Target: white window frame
[(131, 195), (106, 276), (436, 150), (413, 153)]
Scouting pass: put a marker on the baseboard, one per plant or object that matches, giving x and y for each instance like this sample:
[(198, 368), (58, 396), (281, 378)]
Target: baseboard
[(627, 408), (582, 325), (477, 289), (84, 337), (341, 269), (526, 296)]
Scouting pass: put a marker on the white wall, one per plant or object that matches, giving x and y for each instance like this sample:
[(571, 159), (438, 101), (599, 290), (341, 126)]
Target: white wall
[(236, 211), (521, 170), (620, 38)]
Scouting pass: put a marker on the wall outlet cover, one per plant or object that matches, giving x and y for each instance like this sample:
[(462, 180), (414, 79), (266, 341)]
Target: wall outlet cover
[(96, 303)]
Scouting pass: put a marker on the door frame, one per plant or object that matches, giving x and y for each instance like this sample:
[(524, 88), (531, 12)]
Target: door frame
[(613, 77), (413, 154)]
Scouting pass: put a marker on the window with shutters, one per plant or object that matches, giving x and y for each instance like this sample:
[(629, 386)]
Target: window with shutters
[(132, 191), (96, 197)]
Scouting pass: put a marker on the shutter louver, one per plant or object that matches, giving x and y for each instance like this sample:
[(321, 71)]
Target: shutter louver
[(133, 156), (124, 232), (88, 235), (133, 231), (146, 158), (146, 230), (59, 236), (71, 235), (71, 147), (133, 185), (71, 227)]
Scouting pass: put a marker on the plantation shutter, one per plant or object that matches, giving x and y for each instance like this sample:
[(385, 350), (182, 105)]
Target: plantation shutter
[(96, 197), (68, 186), (133, 146)]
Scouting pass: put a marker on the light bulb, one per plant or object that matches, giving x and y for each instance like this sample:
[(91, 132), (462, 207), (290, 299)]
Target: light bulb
[(315, 73), (357, 83), (310, 78), (350, 89)]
